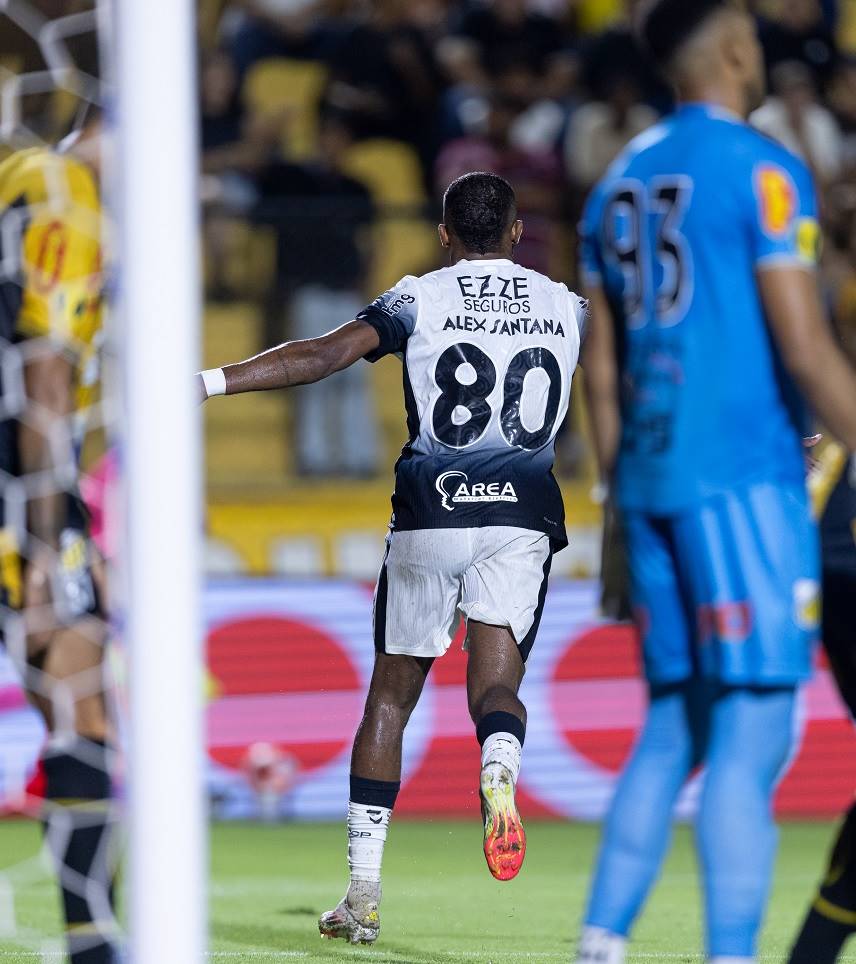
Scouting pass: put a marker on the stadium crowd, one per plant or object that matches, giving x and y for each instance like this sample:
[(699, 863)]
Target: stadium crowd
[(544, 92)]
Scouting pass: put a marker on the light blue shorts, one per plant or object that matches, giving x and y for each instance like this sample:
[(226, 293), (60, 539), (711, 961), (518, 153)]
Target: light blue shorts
[(728, 589)]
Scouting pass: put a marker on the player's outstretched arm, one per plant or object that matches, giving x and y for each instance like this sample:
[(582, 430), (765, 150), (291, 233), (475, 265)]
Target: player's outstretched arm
[(601, 381), (809, 349), (293, 363)]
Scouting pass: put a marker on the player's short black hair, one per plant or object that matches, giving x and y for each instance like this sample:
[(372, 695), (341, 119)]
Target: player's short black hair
[(478, 208), (663, 25)]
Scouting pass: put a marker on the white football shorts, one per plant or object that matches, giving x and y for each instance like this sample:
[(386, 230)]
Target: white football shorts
[(431, 578)]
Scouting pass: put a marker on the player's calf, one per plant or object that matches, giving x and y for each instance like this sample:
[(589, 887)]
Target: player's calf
[(736, 835), (397, 682), (832, 917), (65, 681), (78, 821), (494, 673), (356, 918)]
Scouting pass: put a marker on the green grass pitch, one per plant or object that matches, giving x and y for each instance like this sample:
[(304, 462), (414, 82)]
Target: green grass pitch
[(270, 883)]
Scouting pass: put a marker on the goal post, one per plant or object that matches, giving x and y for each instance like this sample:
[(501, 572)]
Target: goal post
[(158, 288)]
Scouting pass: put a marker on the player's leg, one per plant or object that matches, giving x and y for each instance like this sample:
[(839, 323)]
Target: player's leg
[(831, 920), (494, 673), (750, 737), (65, 677), (502, 596), (356, 418), (752, 556), (357, 421), (414, 621), (637, 830), (79, 815), (395, 688), (317, 444)]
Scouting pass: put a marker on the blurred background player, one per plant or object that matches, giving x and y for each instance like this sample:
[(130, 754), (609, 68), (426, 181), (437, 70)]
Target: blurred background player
[(488, 349), (699, 252), (53, 615), (831, 920)]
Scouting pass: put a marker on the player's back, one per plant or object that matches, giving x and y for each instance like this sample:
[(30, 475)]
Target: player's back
[(50, 286), (489, 351), (675, 233), (51, 219)]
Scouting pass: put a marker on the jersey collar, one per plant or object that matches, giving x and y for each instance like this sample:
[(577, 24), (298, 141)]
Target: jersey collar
[(711, 110), (484, 261)]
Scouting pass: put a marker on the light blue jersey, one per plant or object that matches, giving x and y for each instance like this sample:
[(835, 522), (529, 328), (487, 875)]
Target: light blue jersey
[(674, 234), (721, 547)]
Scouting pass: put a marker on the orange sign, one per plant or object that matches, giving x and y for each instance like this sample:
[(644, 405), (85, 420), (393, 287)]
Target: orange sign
[(777, 198)]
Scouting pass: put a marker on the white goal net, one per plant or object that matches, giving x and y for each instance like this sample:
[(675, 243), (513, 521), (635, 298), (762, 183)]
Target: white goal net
[(98, 283)]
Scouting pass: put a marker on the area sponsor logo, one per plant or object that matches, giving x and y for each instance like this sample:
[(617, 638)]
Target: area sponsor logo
[(454, 487)]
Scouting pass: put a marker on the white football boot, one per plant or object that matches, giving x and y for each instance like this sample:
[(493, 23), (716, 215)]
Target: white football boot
[(600, 946), (356, 917)]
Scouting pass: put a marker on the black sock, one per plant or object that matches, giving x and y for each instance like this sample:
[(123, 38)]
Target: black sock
[(374, 793), (77, 826), (820, 940), (832, 918), (500, 722)]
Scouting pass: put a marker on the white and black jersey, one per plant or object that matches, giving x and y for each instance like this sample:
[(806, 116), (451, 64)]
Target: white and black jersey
[(489, 350)]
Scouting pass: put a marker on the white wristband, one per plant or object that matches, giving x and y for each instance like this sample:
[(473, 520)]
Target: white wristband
[(214, 380)]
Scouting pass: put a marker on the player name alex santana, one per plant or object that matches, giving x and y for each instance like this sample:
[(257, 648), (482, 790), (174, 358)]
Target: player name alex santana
[(505, 326)]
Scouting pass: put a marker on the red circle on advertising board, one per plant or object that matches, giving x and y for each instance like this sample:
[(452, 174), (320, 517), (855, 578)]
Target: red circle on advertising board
[(259, 669), (598, 701), (599, 675), (271, 654)]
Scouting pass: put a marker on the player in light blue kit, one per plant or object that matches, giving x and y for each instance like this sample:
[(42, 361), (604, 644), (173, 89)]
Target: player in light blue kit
[(707, 331)]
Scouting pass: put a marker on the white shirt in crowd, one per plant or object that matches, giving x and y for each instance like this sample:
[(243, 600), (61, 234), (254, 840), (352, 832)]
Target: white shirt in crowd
[(821, 135)]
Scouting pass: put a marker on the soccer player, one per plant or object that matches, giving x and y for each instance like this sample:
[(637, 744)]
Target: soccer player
[(831, 920), (488, 350), (53, 618), (699, 251)]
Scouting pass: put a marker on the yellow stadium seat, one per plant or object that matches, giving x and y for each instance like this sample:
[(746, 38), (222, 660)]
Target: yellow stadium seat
[(209, 13), (404, 243), (293, 89), (246, 437), (240, 255), (846, 31), (595, 16), (403, 238), (389, 169), (232, 331)]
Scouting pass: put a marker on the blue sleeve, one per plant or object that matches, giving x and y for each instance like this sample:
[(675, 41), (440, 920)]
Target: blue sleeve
[(393, 316), (784, 227), (590, 254)]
